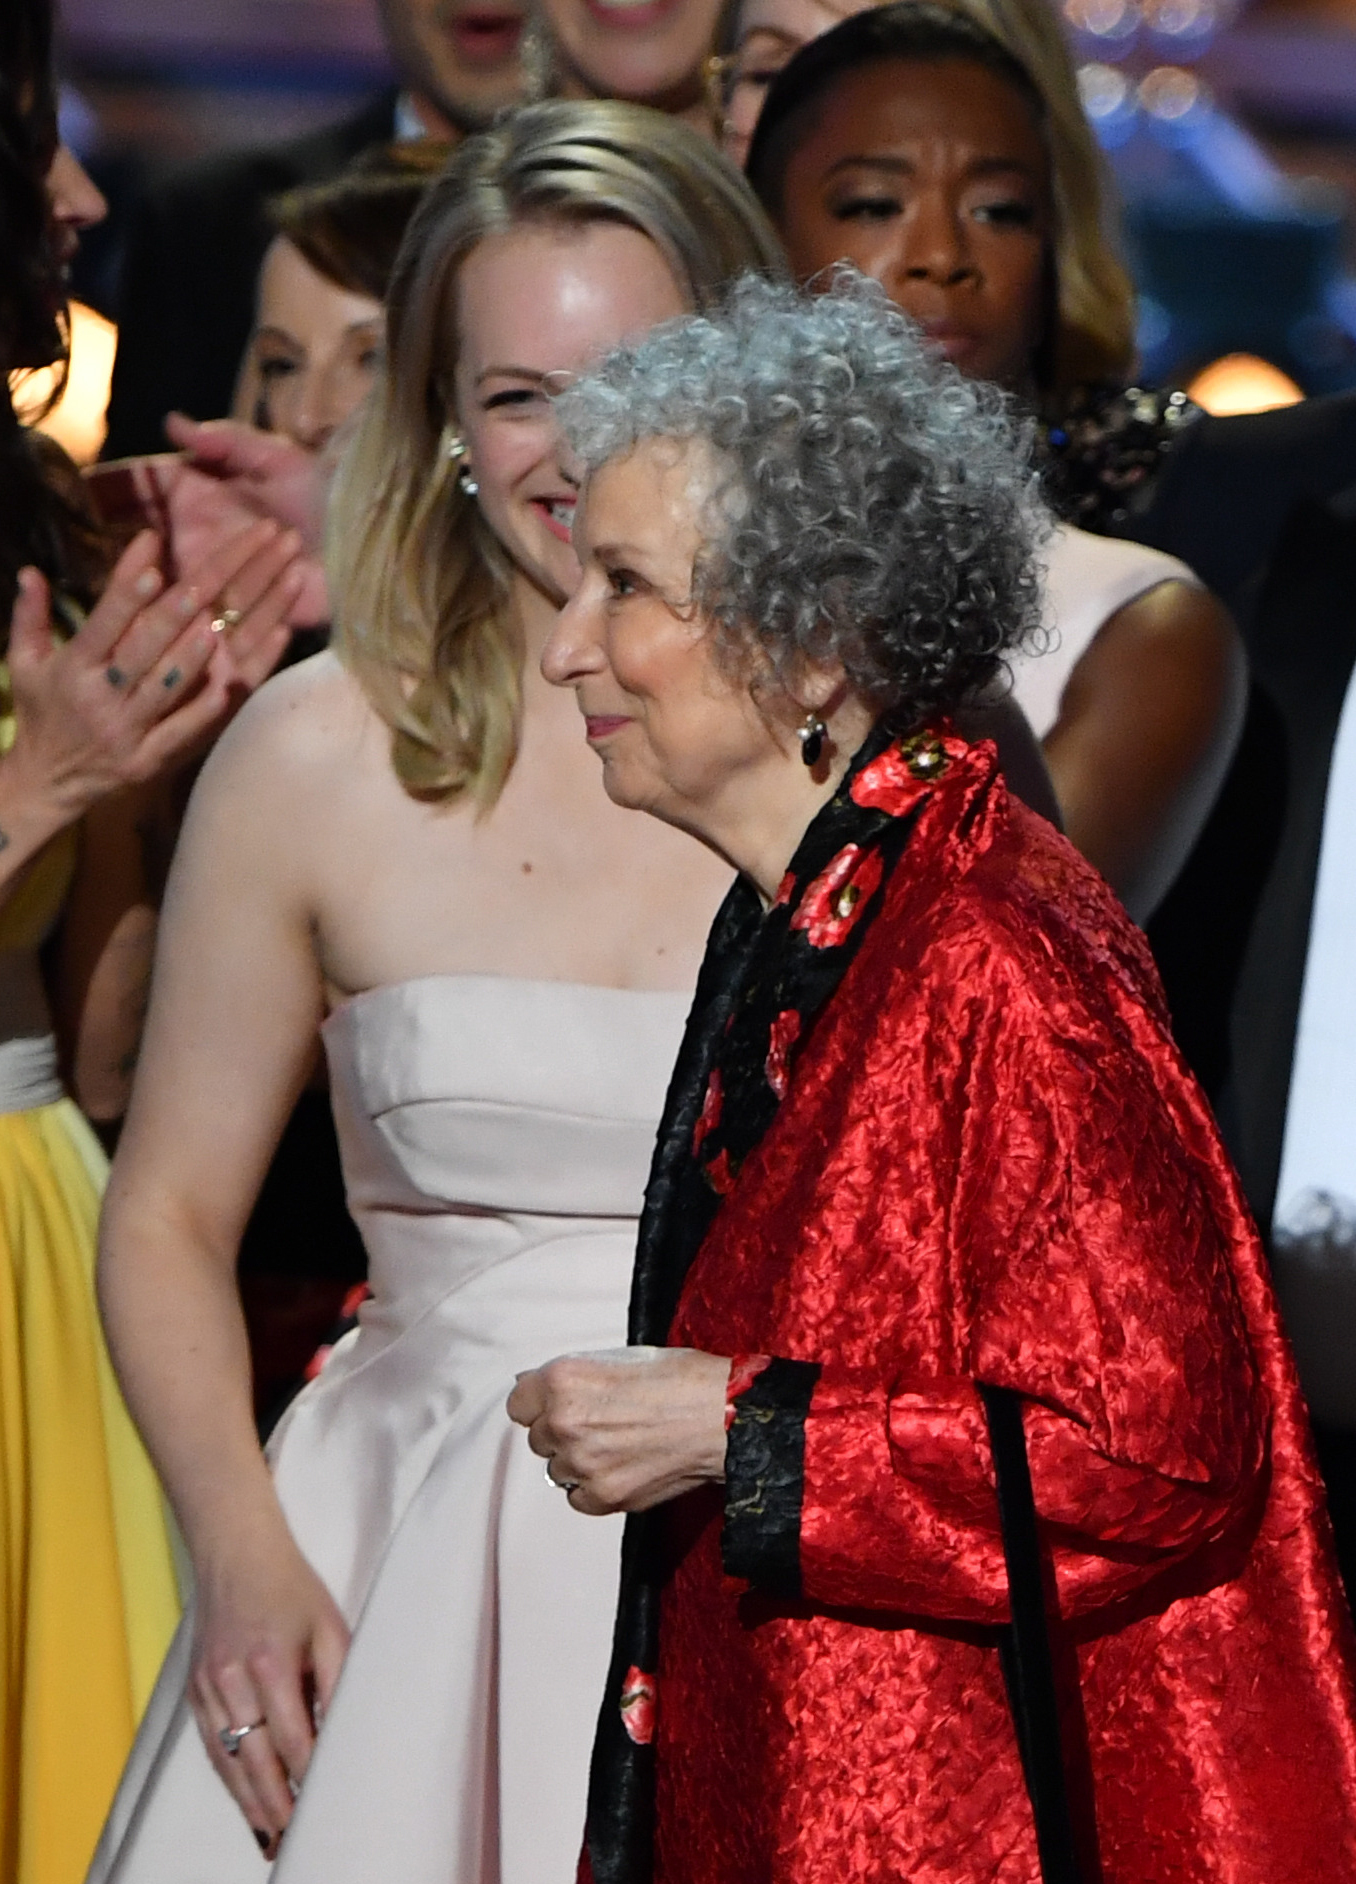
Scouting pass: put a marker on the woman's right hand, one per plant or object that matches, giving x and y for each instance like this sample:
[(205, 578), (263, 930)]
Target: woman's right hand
[(269, 1645), (146, 679)]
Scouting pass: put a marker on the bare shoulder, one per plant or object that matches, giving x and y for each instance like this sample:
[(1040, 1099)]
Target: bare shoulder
[(1176, 624), (304, 730)]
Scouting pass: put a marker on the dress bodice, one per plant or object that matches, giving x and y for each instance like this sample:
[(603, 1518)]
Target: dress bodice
[(479, 1114), (475, 1093)]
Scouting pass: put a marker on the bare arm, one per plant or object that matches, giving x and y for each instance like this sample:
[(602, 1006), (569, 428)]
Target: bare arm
[(236, 1000), (1147, 727)]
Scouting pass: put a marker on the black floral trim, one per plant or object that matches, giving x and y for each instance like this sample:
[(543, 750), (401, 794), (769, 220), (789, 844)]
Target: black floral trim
[(765, 1477)]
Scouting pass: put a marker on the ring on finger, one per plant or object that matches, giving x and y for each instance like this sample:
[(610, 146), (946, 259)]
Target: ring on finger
[(227, 618), (233, 1738)]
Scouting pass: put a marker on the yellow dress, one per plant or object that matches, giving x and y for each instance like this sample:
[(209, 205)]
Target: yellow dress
[(88, 1595)]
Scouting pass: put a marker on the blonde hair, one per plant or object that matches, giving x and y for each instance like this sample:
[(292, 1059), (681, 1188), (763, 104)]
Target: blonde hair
[(1093, 337), (420, 582)]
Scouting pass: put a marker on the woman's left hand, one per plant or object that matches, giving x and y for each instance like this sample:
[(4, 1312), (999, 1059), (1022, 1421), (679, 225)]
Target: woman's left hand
[(626, 1429)]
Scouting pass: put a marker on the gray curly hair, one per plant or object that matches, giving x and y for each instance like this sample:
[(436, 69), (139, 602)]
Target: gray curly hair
[(871, 506)]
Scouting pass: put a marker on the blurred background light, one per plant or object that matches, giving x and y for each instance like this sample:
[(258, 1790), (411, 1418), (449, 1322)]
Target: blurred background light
[(1242, 382), (76, 421)]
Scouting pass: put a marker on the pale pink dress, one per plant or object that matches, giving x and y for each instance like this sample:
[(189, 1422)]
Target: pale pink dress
[(496, 1138)]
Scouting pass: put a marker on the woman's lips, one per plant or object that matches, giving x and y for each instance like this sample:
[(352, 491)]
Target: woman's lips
[(954, 343), (632, 13), (553, 513), (487, 38), (601, 725)]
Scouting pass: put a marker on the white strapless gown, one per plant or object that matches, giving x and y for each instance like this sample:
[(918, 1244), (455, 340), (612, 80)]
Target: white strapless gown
[(496, 1137)]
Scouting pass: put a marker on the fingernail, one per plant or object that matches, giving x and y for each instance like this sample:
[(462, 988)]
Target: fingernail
[(262, 1840), (147, 583)]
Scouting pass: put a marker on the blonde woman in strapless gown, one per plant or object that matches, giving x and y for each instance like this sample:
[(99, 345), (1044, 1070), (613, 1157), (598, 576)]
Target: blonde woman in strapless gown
[(400, 1631)]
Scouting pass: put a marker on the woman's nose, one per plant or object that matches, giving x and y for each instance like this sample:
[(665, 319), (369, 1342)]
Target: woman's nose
[(317, 413), (77, 201), (934, 247), (573, 649)]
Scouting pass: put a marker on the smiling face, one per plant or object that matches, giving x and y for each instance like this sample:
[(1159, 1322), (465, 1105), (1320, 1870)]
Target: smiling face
[(768, 34), (932, 178), (650, 51), (463, 57), (679, 736), (313, 355), (537, 302)]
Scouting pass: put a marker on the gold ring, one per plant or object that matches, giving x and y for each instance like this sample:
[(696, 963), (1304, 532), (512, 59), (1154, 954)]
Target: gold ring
[(228, 618)]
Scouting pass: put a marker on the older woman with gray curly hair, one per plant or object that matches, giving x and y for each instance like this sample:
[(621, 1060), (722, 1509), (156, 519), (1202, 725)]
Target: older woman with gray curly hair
[(945, 1297)]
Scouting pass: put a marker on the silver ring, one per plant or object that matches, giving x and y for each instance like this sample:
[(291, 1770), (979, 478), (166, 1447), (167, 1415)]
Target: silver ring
[(232, 1738), (567, 1485)]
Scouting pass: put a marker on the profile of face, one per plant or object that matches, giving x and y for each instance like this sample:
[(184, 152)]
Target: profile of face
[(75, 202), (534, 305), (679, 734), (314, 351), (768, 35), (932, 177), (650, 51), (463, 57)]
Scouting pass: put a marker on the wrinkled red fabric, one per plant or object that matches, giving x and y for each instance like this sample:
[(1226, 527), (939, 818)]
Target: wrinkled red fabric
[(992, 1164)]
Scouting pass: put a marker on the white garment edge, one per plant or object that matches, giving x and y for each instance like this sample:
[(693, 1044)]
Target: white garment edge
[(1314, 1223)]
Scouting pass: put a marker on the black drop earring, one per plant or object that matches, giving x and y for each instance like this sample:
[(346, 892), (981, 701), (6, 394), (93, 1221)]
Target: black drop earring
[(811, 733)]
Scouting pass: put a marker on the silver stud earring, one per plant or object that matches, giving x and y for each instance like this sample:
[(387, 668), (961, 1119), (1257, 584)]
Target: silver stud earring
[(812, 733), (454, 448)]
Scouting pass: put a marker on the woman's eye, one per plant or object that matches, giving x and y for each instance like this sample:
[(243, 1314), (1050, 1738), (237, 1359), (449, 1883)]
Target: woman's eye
[(622, 582), (1009, 214), (276, 366), (866, 208), (515, 399)]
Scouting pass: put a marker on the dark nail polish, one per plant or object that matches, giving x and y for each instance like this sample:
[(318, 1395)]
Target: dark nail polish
[(262, 1840)]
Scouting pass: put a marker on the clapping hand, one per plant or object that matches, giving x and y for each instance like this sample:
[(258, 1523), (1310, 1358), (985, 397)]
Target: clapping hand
[(152, 673), (224, 476)]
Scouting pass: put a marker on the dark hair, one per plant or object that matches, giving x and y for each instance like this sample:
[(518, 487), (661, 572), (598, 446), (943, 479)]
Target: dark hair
[(43, 515), (911, 29), (350, 227)]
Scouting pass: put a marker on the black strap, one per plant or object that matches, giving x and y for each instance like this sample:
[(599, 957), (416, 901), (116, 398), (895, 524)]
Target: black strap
[(1025, 1647)]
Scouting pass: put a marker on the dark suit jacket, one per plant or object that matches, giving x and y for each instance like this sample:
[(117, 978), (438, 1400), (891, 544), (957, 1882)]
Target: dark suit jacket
[(186, 298), (1264, 509)]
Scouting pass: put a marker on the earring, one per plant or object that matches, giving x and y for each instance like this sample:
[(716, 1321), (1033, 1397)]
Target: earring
[(811, 734), (454, 448)]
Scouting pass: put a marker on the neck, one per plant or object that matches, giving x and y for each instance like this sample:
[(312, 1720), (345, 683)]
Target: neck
[(764, 815)]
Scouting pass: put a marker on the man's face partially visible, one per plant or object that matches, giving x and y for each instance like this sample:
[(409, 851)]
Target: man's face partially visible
[(462, 57)]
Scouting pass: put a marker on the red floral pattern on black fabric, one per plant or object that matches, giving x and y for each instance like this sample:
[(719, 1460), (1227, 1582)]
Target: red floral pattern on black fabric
[(638, 1698), (710, 1113), (784, 1034), (905, 772), (832, 905)]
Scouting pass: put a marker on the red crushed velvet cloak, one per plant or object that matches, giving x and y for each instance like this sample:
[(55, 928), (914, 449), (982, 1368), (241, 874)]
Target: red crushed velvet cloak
[(991, 1163)]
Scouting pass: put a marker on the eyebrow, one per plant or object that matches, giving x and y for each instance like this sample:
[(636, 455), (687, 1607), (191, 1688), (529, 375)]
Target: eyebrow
[(904, 167), (510, 372)]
